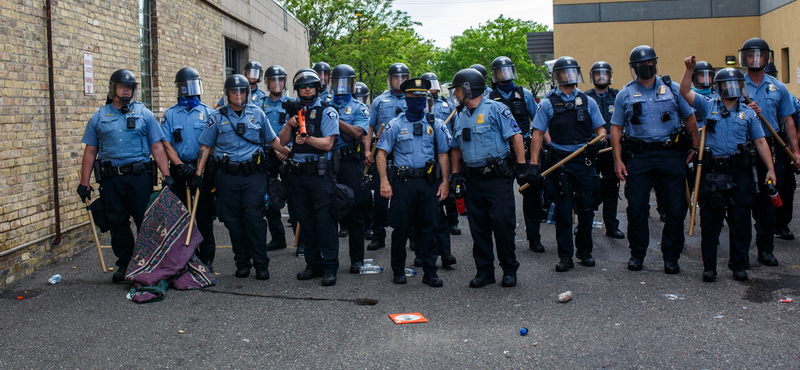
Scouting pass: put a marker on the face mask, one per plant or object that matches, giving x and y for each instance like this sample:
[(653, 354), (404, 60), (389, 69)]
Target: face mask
[(704, 92), (125, 100), (435, 95), (341, 99), (416, 108), (646, 72), (189, 102), (755, 69), (507, 88)]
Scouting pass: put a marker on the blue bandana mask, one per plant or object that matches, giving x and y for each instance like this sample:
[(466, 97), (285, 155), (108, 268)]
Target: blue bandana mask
[(703, 92), (189, 103), (398, 94), (341, 100), (507, 88), (415, 110)]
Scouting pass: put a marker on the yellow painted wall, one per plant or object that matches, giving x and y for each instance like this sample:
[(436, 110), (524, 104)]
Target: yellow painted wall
[(779, 29)]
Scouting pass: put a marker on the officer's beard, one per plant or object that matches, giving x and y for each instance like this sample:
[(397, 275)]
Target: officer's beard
[(602, 87), (435, 95), (125, 99), (308, 99), (755, 69)]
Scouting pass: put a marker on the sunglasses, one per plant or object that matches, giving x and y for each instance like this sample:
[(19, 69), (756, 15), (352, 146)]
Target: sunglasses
[(308, 86)]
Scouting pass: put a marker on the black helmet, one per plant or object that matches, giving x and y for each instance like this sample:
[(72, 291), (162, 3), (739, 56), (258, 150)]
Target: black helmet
[(307, 76), (480, 68), (400, 71), (503, 70), (430, 76), (755, 54), (730, 83), (771, 70), (275, 77), (703, 75), (253, 70), (237, 84), (566, 71), (472, 83), (360, 92), (324, 72), (188, 82), (322, 67), (343, 80), (601, 74), (121, 77), (643, 62)]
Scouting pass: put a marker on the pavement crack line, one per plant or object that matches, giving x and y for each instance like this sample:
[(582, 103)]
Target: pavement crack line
[(358, 301)]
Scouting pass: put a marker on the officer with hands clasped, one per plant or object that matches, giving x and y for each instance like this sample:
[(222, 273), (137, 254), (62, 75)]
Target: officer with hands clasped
[(726, 186), (415, 138), (660, 131), (238, 132), (312, 138), (272, 104), (183, 123), (119, 139), (481, 135), (571, 117)]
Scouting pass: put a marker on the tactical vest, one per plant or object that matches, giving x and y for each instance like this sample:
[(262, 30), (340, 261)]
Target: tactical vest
[(570, 126), (516, 103), (605, 103), (313, 128)]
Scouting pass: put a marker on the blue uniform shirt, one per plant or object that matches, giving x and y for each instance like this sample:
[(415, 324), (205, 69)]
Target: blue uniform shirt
[(273, 109), (256, 98), (190, 123), (741, 126), (656, 102), (353, 113), (384, 109), (442, 109), (773, 99), (530, 103), (325, 95), (542, 120), (220, 133), (108, 131), (329, 125), (413, 151), (491, 125)]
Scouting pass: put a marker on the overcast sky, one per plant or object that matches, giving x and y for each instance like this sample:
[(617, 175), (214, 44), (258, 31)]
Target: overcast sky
[(442, 19)]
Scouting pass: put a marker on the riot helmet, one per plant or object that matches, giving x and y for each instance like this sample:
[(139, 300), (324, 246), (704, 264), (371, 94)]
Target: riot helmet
[(703, 75), (730, 83), (254, 71), (503, 70), (361, 92), (343, 80), (324, 72), (601, 74), (307, 78), (566, 71), (398, 73), (236, 90), (122, 78), (276, 79), (771, 70), (480, 68), (643, 62), (755, 54), (434, 80), (470, 83), (188, 83)]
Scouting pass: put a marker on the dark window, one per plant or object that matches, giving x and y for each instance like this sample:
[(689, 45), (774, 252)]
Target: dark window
[(235, 57), (145, 53), (784, 71)]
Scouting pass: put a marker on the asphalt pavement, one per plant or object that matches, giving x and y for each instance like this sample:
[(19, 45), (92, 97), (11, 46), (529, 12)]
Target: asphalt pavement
[(617, 319)]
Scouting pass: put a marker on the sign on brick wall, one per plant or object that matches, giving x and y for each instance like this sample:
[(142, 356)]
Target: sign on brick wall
[(88, 73)]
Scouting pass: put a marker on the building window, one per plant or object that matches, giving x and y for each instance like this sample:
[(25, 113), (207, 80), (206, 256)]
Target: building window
[(235, 57), (146, 53), (784, 71)]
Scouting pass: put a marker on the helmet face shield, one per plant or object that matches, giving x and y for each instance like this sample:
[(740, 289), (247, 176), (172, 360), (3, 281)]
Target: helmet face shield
[(125, 92), (602, 76), (703, 79), (324, 77), (394, 81), (189, 88), (343, 86), (567, 76), (462, 93), (276, 84), (645, 69), (731, 89), (505, 73), (435, 85), (237, 96), (252, 73), (755, 58)]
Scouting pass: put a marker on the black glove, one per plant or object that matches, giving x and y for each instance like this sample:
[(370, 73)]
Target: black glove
[(185, 171), (85, 192), (196, 182), (167, 182), (457, 179), (534, 177), (593, 149), (520, 171)]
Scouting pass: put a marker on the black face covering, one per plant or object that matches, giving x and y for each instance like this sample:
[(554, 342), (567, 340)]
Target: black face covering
[(755, 69), (415, 107), (125, 100), (646, 72)]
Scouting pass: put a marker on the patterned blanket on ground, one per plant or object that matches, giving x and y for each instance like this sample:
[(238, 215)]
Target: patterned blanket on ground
[(160, 258)]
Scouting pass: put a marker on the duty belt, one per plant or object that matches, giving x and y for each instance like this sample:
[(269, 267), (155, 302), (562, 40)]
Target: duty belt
[(403, 172), (136, 168), (249, 167), (484, 171), (352, 152), (558, 155), (313, 167)]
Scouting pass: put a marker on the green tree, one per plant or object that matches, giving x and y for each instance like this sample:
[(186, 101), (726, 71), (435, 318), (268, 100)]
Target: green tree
[(502, 36)]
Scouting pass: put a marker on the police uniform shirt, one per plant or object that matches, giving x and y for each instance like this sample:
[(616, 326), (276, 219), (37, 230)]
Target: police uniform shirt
[(491, 125), (220, 133), (441, 109), (530, 102), (273, 109), (353, 113), (384, 109), (186, 126), (329, 124), (741, 126), (597, 97), (412, 151), (773, 99), (656, 101), (325, 95), (108, 131), (256, 98), (542, 120)]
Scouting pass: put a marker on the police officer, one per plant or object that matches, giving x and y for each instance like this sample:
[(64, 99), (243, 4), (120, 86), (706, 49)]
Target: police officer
[(726, 185), (703, 81), (183, 123), (361, 92), (771, 99), (571, 117), (348, 151), (481, 134), (272, 105), (253, 71), (602, 76), (324, 72), (523, 106), (384, 108), (312, 178), (439, 107), (480, 68), (119, 139), (238, 132), (651, 111), (415, 139)]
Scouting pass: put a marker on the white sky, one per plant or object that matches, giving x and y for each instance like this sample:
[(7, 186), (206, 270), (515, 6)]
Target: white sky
[(442, 19)]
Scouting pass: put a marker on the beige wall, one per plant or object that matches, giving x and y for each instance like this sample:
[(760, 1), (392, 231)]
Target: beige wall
[(779, 29)]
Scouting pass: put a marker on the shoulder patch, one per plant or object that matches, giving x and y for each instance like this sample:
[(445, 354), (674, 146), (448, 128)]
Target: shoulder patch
[(387, 127), (331, 113), (365, 111), (211, 121), (163, 119), (515, 126), (505, 112)]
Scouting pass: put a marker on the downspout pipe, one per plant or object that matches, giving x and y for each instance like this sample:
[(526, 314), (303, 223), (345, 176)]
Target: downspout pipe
[(53, 146)]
